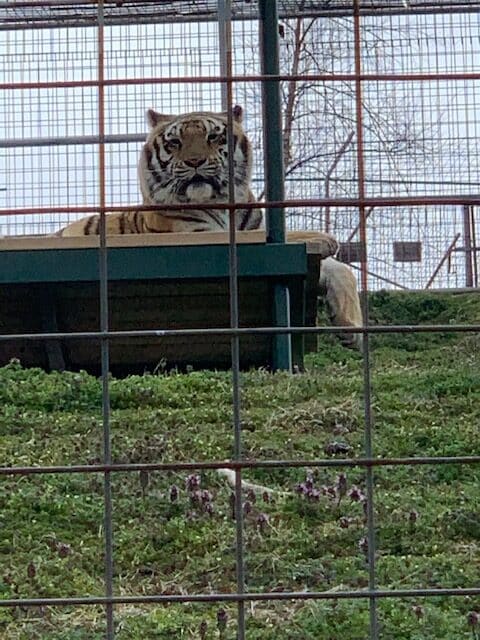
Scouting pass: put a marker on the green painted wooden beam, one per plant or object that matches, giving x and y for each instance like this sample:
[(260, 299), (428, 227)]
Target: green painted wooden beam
[(142, 263)]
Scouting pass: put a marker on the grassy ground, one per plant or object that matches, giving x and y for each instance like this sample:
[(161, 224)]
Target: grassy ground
[(170, 538)]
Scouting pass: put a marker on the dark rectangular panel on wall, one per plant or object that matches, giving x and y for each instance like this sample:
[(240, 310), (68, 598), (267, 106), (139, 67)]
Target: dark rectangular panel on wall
[(407, 251), (352, 252)]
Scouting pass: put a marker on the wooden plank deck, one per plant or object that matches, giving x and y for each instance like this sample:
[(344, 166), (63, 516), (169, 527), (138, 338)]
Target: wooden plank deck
[(43, 242)]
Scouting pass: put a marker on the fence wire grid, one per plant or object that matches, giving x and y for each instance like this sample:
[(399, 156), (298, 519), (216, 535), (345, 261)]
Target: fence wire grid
[(381, 148), (420, 120)]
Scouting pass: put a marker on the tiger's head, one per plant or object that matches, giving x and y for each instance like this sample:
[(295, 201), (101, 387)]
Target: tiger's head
[(185, 159)]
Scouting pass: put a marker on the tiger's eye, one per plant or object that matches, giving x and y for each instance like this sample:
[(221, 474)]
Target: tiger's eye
[(173, 143), (217, 138)]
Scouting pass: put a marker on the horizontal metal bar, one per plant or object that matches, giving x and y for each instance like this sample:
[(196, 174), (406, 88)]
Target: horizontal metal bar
[(243, 597), (386, 9), (439, 290), (414, 201), (237, 464), (374, 6), (149, 17), (242, 331), (42, 4), (71, 140), (379, 277), (314, 77)]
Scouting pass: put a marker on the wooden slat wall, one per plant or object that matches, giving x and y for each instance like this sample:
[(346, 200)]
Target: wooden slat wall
[(157, 305), (133, 306), (150, 304)]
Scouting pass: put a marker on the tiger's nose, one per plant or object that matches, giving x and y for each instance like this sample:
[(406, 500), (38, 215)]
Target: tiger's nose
[(194, 162)]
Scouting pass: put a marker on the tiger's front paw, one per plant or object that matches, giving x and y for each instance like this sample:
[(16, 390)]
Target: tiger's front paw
[(318, 242), (328, 245)]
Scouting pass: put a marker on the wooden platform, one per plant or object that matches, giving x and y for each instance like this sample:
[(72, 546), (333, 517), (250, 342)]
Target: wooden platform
[(157, 282)]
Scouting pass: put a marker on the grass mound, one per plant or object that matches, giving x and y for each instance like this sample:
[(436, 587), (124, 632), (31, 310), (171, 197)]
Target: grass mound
[(174, 532)]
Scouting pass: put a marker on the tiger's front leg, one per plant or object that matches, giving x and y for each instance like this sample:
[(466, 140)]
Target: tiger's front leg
[(123, 222), (338, 287)]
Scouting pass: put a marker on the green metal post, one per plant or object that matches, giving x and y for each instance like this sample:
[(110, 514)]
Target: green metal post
[(274, 172), (272, 119)]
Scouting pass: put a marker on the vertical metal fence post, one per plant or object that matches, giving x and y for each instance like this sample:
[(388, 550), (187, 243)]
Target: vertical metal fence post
[(225, 37), (105, 365), (473, 227), (222, 49), (467, 245), (274, 171), (371, 552)]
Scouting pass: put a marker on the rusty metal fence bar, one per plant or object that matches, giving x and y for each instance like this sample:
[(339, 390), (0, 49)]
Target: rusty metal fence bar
[(242, 597), (367, 385), (314, 77), (244, 331), (243, 464), (207, 79), (104, 344), (330, 202), (226, 62)]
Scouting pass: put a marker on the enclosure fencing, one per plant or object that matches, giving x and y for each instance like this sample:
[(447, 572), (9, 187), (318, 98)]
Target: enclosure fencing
[(389, 184)]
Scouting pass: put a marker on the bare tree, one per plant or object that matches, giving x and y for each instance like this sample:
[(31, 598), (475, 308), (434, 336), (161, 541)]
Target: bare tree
[(319, 118)]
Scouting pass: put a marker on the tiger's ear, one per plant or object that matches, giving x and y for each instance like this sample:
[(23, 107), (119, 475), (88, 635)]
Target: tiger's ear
[(237, 112), (154, 118)]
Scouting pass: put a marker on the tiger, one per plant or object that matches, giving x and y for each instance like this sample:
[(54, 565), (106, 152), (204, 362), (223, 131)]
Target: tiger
[(337, 287), (185, 161)]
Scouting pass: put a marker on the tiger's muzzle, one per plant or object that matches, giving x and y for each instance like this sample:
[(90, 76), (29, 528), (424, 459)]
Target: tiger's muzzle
[(197, 182)]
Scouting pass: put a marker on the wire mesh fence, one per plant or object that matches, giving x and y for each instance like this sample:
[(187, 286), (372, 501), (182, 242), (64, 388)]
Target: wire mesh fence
[(401, 180), (419, 133)]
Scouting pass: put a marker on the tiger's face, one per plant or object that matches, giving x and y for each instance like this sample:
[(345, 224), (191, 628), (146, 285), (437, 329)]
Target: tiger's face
[(185, 159)]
